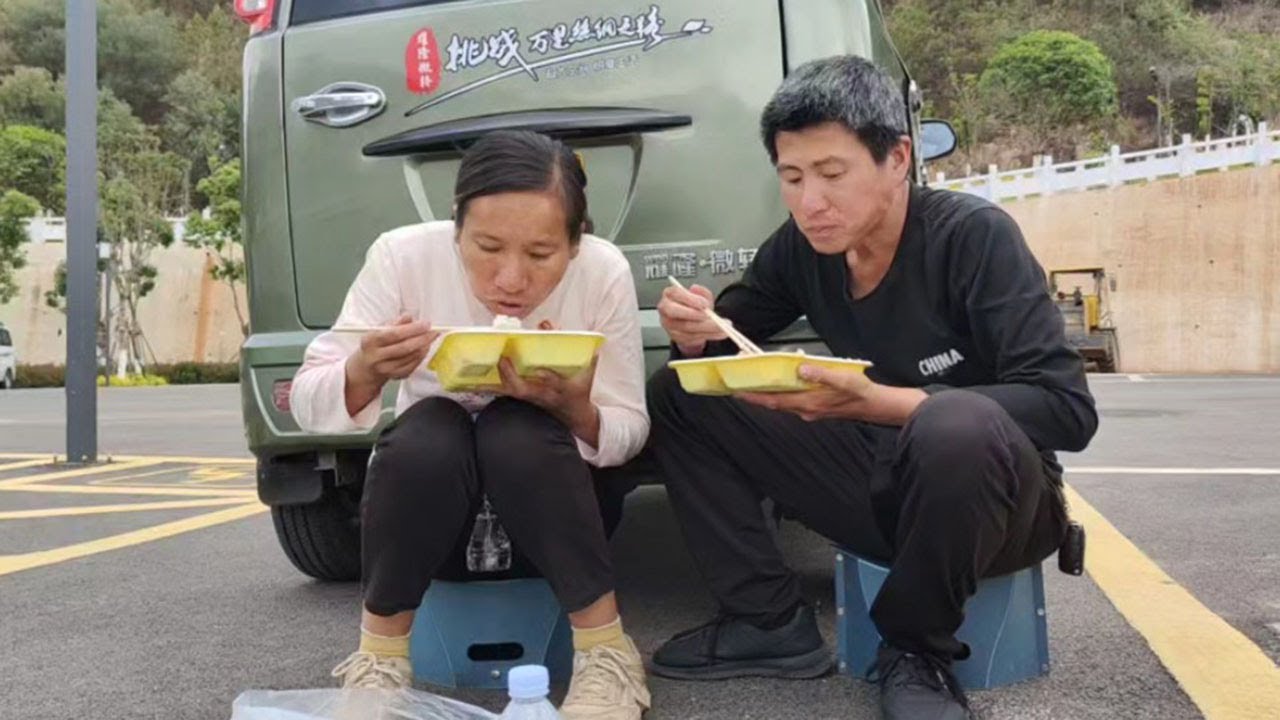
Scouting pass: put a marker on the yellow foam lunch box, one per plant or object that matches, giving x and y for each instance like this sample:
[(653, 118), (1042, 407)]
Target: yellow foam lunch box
[(766, 372), (467, 359)]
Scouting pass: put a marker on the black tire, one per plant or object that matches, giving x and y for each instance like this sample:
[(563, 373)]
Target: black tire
[(322, 539), (6, 382)]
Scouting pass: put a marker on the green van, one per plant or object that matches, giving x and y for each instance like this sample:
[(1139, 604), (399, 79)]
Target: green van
[(354, 116)]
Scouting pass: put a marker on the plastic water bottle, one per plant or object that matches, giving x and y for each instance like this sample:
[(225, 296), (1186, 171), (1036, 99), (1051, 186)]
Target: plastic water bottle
[(489, 549), (528, 686)]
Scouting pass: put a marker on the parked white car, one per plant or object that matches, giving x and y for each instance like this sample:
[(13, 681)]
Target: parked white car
[(8, 360)]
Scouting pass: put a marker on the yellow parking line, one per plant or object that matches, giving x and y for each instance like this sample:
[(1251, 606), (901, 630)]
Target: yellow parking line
[(27, 463), (26, 561), (190, 460), (213, 475), (77, 472), (138, 476), (200, 460), (121, 508), (1224, 674), (171, 490)]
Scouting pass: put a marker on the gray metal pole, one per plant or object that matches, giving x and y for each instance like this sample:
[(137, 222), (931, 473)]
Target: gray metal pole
[(82, 224)]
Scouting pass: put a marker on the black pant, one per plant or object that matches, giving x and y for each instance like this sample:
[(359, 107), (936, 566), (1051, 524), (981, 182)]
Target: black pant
[(429, 473), (957, 494)]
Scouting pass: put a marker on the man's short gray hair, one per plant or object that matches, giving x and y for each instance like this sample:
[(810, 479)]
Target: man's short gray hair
[(845, 89)]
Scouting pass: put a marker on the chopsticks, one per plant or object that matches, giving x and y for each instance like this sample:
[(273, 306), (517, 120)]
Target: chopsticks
[(742, 341), (361, 329)]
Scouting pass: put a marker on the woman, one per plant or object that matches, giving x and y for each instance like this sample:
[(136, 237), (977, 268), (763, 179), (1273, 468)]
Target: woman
[(535, 449)]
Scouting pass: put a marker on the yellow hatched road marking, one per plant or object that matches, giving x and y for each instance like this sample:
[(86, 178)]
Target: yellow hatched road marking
[(138, 476), (214, 474), (15, 563), (171, 490), (120, 508), (76, 472), (1225, 675), (26, 464), (191, 460)]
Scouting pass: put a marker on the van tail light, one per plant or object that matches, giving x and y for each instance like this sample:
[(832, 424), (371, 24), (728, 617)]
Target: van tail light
[(260, 14), (280, 391)]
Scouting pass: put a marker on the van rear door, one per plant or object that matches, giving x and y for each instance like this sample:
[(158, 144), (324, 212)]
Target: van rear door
[(662, 100)]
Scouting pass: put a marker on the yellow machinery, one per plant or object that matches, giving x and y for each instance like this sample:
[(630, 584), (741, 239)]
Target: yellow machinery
[(1087, 315)]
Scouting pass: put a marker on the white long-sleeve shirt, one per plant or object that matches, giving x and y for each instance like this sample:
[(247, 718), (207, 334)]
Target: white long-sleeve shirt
[(417, 271)]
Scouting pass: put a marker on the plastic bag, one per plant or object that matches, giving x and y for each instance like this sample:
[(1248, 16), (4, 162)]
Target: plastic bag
[(336, 704)]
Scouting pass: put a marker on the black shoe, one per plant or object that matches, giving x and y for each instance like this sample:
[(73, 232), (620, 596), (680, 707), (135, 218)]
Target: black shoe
[(918, 687), (730, 647)]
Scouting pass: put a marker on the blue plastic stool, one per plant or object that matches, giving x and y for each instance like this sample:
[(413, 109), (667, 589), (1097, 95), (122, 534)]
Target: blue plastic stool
[(468, 635), (1004, 625)]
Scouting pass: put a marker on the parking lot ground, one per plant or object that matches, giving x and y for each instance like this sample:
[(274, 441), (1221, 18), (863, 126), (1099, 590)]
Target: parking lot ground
[(152, 586)]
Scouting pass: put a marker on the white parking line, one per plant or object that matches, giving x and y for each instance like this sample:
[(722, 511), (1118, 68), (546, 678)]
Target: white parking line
[(1199, 379), (1118, 470)]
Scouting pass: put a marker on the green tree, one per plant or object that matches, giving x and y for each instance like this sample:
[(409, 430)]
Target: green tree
[(33, 161), (203, 124), (219, 233), (30, 96), (1051, 80), (136, 202), (139, 189), (203, 121), (1246, 79), (8, 58), (15, 210), (138, 49), (213, 43), (121, 134), (187, 8), (120, 131)]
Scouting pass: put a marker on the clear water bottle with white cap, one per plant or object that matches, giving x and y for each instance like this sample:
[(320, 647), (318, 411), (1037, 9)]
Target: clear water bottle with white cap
[(528, 687)]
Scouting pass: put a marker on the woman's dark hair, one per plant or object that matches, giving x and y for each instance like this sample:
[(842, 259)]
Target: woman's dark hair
[(521, 161)]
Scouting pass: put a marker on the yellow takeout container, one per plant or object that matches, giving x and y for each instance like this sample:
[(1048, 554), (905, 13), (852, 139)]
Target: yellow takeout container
[(766, 372), (467, 359)]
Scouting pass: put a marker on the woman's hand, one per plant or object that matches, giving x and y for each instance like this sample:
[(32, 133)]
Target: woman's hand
[(385, 355), (567, 399)]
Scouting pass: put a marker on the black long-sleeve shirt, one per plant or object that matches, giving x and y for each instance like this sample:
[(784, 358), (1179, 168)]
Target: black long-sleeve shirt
[(964, 304)]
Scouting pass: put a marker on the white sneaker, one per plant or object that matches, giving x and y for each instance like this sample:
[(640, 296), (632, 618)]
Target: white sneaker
[(366, 671), (607, 684)]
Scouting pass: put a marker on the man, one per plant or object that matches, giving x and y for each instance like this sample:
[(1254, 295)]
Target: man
[(938, 462)]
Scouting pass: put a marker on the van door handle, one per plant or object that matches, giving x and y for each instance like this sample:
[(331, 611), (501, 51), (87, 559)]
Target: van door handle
[(341, 105), (561, 123)]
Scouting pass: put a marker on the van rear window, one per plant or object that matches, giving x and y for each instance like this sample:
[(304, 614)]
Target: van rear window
[(309, 11)]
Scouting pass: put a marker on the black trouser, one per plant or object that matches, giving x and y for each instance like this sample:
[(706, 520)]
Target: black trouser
[(957, 494), (429, 473)]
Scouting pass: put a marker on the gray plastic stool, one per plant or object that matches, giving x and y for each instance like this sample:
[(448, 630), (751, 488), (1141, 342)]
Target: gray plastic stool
[(468, 635), (1004, 625)]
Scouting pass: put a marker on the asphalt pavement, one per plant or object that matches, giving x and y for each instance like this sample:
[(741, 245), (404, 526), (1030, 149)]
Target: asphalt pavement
[(195, 607)]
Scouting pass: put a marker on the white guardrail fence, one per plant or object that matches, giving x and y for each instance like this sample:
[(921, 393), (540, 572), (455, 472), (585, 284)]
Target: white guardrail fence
[(1043, 178), (1115, 168)]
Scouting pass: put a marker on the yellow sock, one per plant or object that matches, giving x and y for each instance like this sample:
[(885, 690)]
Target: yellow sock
[(384, 646), (586, 638)]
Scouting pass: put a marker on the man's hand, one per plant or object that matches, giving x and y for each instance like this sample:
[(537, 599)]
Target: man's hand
[(682, 314), (567, 399), (843, 394), (385, 355)]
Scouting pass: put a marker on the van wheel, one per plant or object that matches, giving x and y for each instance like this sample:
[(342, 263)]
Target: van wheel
[(322, 539), (7, 381)]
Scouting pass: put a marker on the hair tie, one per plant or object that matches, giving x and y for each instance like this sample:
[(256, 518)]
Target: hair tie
[(582, 167)]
